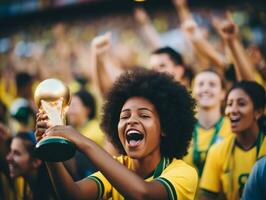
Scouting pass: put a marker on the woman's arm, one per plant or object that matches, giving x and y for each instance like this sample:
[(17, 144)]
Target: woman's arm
[(201, 45), (228, 31), (203, 49), (125, 181), (66, 188), (243, 66), (104, 67), (147, 28), (63, 183), (182, 10)]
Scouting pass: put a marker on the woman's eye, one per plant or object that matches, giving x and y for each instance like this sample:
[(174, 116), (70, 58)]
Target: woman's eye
[(242, 104), (229, 104), (145, 116), (124, 117), (212, 84)]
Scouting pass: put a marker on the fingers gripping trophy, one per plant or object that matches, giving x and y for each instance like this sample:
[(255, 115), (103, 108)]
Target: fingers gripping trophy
[(53, 97)]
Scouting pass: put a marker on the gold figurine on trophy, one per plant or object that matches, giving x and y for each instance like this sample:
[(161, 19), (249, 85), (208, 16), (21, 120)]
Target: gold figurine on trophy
[(53, 96)]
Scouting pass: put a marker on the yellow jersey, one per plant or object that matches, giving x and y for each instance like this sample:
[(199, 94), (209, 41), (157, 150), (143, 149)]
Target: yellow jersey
[(203, 139), (179, 179), (228, 166)]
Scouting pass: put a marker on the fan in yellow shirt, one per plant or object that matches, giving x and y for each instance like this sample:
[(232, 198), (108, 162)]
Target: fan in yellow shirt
[(211, 126), (175, 175), (151, 129), (229, 163), (203, 139)]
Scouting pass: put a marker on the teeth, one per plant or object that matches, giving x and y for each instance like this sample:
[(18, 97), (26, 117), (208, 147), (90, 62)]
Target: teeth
[(133, 131), (234, 117), (11, 167), (205, 94), (134, 135)]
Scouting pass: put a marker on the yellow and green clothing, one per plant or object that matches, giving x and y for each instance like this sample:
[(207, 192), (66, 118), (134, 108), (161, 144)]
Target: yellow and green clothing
[(13, 189), (7, 191), (91, 129), (228, 166), (23, 188), (7, 96), (179, 179), (203, 139)]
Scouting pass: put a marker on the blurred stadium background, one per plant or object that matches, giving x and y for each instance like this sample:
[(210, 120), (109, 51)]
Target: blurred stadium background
[(29, 27)]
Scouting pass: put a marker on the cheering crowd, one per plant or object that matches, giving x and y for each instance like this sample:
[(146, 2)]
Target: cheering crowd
[(177, 119)]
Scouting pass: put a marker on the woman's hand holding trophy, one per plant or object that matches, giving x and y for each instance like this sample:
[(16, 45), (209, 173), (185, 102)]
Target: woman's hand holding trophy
[(52, 98)]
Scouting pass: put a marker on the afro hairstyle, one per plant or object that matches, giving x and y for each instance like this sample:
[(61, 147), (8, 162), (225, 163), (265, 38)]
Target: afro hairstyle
[(173, 103)]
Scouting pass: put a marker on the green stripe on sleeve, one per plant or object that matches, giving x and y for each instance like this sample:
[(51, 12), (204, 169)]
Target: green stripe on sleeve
[(169, 187), (99, 184)]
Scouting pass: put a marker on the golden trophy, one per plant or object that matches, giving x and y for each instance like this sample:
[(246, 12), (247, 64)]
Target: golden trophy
[(53, 96)]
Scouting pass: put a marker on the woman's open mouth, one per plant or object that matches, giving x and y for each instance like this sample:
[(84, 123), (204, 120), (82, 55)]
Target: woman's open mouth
[(134, 138)]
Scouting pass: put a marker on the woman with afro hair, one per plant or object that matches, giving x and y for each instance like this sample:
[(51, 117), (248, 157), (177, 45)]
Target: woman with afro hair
[(149, 117)]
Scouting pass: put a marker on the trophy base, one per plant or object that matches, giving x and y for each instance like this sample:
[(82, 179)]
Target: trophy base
[(55, 149)]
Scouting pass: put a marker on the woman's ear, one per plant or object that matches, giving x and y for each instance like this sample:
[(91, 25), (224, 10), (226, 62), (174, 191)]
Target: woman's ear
[(258, 113)]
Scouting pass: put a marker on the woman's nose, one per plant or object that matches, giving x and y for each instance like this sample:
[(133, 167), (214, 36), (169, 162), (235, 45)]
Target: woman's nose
[(205, 87), (132, 120), (231, 109)]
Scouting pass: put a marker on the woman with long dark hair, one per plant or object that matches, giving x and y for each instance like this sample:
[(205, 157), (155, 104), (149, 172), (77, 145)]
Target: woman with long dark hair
[(229, 163), (22, 162)]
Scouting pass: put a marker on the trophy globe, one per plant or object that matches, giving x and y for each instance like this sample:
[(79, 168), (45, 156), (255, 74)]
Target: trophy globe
[(53, 97)]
